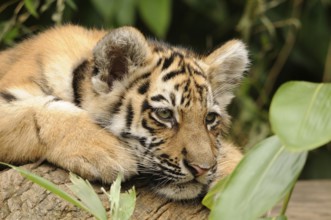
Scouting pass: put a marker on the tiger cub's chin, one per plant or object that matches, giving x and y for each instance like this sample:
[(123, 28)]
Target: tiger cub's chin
[(185, 191)]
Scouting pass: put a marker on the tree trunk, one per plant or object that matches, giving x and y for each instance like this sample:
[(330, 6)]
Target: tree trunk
[(22, 199)]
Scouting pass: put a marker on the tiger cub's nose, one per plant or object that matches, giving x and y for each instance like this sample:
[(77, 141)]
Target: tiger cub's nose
[(195, 169)]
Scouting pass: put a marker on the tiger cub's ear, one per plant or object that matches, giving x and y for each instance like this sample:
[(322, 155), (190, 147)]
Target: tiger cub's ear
[(116, 54), (226, 66)]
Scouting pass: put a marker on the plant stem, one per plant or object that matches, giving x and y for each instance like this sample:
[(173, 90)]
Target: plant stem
[(282, 56), (327, 68), (286, 201)]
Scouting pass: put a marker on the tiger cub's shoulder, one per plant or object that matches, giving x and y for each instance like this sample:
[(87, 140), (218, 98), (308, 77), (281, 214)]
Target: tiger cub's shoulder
[(55, 51)]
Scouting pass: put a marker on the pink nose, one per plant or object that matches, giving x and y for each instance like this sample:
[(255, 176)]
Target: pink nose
[(198, 170)]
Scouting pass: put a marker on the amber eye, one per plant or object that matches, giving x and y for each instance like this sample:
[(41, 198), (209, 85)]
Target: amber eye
[(164, 114), (211, 117)]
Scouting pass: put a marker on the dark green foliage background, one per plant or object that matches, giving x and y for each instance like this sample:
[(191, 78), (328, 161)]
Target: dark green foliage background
[(287, 40)]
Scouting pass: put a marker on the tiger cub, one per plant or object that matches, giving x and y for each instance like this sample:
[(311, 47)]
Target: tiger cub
[(98, 103)]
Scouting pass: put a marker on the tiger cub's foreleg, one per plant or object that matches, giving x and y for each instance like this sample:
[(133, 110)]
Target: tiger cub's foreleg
[(63, 134)]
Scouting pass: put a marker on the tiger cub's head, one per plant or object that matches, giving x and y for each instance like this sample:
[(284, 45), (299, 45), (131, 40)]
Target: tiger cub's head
[(168, 104)]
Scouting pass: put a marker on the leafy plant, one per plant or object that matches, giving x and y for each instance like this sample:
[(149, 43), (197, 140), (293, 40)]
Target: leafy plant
[(122, 204), (301, 120)]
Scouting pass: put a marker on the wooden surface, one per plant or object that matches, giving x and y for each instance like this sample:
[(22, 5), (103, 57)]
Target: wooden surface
[(21, 199), (311, 200)]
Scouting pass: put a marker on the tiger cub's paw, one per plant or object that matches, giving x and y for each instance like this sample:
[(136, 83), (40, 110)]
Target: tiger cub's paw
[(98, 161)]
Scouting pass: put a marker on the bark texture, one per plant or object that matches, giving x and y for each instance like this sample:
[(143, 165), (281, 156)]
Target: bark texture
[(22, 199)]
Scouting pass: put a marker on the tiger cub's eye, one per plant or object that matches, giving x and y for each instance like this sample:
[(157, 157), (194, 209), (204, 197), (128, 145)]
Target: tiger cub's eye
[(211, 117), (164, 114)]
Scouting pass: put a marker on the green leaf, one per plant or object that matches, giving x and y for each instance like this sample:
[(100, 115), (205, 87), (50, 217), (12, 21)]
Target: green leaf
[(262, 178), (114, 197), (71, 4), (300, 114), (126, 12), (85, 192), (214, 192), (46, 5), (49, 186), (31, 6), (105, 8), (156, 15), (121, 204), (127, 204)]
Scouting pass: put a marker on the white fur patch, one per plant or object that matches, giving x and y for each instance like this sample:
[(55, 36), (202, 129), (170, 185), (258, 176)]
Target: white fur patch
[(64, 106)]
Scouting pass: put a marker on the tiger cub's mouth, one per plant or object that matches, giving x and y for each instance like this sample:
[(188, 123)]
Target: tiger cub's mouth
[(190, 188)]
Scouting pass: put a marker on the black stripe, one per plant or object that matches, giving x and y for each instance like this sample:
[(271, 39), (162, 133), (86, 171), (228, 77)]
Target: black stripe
[(173, 74), (57, 99), (168, 61), (194, 71), (159, 62), (128, 135), (8, 96), (182, 100), (145, 125), (125, 134), (173, 99), (142, 141), (178, 54), (165, 156), (129, 115), (171, 171), (188, 103), (143, 88), (186, 88), (158, 98), (136, 80), (176, 167), (145, 106), (199, 73), (79, 75), (156, 144), (117, 106)]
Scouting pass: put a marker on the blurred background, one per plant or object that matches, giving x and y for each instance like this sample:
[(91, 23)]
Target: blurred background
[(287, 40)]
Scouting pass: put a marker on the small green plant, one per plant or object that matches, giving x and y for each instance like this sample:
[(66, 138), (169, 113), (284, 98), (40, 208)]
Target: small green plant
[(300, 117), (121, 204)]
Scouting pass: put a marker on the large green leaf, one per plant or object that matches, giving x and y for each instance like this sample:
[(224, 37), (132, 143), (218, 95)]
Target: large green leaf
[(300, 114), (156, 15), (263, 177)]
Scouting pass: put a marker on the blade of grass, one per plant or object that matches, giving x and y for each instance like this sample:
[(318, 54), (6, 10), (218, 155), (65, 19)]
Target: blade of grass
[(49, 186)]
